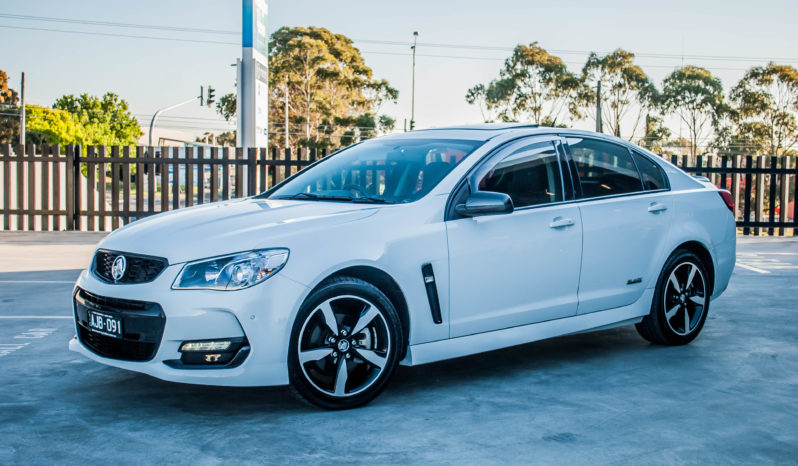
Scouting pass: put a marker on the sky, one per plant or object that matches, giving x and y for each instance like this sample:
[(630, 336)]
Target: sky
[(727, 37)]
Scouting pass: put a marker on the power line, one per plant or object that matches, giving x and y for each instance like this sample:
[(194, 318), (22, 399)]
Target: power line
[(115, 24), (129, 36), (365, 41), (579, 52), (462, 57)]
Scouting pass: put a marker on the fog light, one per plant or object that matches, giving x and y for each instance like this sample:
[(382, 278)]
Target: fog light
[(204, 346)]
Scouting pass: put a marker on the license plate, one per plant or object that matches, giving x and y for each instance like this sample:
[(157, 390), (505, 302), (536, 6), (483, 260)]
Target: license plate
[(105, 324)]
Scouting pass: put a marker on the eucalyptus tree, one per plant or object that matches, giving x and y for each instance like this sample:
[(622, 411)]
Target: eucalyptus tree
[(532, 85), (327, 82), (766, 101), (696, 96), (626, 91)]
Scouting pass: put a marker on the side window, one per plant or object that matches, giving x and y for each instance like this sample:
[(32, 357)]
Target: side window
[(530, 176), (604, 168), (653, 177)]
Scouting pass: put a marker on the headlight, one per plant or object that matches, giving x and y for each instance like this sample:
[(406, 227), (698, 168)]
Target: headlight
[(232, 272)]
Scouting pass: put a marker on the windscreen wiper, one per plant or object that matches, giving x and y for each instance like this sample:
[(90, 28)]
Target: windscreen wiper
[(322, 197), (313, 196), (371, 200)]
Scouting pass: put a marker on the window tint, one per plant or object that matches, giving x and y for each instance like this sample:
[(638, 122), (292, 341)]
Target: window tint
[(530, 176), (653, 177), (604, 168)]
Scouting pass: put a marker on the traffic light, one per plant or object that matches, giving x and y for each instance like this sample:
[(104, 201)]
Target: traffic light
[(210, 100), (202, 96)]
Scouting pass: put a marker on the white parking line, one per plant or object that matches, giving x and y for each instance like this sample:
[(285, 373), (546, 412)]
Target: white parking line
[(751, 268), (22, 282), (35, 317)]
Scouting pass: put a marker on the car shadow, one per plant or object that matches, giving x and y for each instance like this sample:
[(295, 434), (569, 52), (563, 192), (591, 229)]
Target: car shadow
[(567, 356)]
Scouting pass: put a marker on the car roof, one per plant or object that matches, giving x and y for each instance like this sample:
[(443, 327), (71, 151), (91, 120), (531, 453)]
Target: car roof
[(487, 131)]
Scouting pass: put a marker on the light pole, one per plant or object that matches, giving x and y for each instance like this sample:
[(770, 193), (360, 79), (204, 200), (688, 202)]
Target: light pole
[(413, 89), (154, 117)]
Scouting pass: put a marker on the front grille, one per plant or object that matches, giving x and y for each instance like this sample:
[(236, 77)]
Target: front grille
[(140, 269), (142, 325)]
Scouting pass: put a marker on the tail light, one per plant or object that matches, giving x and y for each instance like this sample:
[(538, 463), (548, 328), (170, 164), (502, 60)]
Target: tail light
[(728, 199)]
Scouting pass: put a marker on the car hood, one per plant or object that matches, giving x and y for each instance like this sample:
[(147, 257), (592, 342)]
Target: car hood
[(230, 226)]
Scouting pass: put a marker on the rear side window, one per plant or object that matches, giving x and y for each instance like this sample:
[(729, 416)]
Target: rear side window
[(530, 176), (604, 169), (653, 177)]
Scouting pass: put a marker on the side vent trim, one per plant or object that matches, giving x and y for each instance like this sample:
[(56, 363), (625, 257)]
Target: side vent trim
[(432, 292)]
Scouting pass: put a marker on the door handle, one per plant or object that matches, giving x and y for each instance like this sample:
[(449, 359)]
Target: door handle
[(560, 222), (655, 207)]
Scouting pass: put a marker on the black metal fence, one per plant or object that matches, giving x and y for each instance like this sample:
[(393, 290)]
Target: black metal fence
[(98, 188), (763, 188)]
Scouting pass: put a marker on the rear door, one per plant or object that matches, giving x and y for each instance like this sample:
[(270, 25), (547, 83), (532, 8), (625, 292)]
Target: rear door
[(626, 211), (523, 267)]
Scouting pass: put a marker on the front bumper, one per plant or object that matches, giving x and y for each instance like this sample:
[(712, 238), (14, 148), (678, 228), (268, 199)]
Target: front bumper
[(262, 314)]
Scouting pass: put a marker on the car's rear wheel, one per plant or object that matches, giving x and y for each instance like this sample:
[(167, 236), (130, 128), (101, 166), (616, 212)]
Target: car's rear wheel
[(680, 304), (345, 344)]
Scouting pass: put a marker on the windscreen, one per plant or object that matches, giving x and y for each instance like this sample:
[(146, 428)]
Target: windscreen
[(379, 171)]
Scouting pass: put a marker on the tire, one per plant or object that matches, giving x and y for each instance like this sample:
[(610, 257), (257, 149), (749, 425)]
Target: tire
[(680, 304), (345, 344)]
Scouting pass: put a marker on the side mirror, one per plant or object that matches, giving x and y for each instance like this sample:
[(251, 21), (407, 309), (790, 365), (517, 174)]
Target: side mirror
[(485, 203)]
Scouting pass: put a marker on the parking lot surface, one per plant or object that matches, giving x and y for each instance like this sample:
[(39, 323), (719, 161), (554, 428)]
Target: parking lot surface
[(730, 397)]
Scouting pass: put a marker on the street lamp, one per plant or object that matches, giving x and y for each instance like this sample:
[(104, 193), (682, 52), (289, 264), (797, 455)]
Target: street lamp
[(413, 91)]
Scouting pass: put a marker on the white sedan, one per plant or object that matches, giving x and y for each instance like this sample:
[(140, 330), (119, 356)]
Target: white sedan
[(410, 249)]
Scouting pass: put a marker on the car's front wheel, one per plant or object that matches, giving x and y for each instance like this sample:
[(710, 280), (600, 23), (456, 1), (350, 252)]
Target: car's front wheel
[(345, 344), (681, 302)]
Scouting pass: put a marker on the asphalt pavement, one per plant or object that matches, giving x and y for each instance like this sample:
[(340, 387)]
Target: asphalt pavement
[(730, 397)]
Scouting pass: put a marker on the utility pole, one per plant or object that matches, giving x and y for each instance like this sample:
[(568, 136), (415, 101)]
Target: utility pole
[(307, 119), (285, 98), (413, 91), (598, 108), (22, 114)]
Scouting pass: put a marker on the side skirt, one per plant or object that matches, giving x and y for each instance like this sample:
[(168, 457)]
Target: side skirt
[(440, 350)]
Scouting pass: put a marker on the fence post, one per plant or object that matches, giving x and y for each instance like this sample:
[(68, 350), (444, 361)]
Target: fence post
[(56, 153), (287, 166), (239, 192), (252, 167), (5, 151), (91, 171), (736, 185), (31, 149), (69, 194), (772, 192), (785, 192), (760, 193), (115, 173), (76, 192)]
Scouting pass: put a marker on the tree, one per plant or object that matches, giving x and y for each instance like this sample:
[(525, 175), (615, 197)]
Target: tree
[(766, 99), (696, 96), (332, 97), (533, 85), (226, 106), (329, 87), (624, 87), (9, 122), (107, 120), (656, 134), (51, 126)]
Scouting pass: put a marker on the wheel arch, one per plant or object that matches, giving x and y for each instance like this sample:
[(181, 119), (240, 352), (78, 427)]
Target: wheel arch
[(385, 283), (704, 255)]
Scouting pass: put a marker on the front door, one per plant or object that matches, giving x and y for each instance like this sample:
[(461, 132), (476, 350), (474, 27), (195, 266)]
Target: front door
[(518, 268)]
